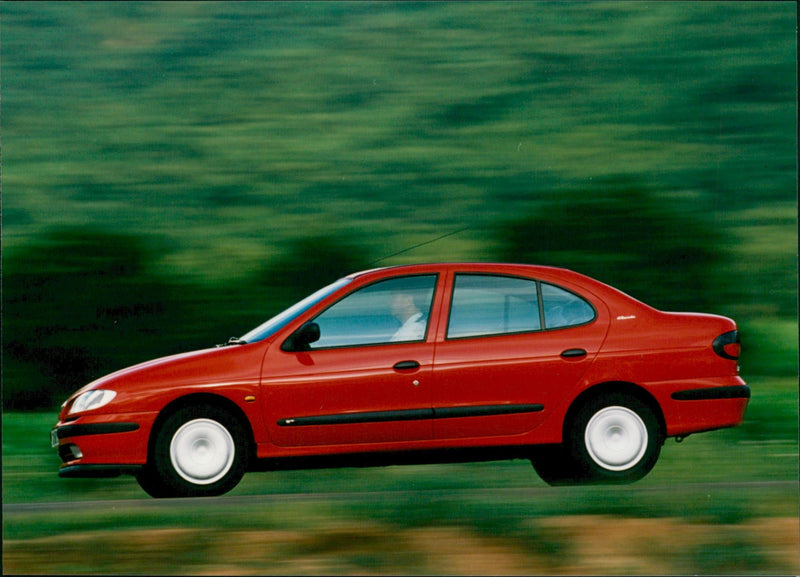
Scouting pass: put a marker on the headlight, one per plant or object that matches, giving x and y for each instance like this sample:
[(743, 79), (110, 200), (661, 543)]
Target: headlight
[(91, 400)]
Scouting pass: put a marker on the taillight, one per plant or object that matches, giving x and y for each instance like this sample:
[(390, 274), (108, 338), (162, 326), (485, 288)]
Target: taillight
[(727, 345)]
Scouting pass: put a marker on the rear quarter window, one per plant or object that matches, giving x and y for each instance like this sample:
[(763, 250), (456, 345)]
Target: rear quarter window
[(563, 308)]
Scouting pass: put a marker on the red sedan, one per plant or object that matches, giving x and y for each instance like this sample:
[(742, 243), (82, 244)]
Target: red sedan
[(422, 363)]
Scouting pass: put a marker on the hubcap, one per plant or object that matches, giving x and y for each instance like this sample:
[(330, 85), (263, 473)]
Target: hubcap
[(616, 438), (202, 451)]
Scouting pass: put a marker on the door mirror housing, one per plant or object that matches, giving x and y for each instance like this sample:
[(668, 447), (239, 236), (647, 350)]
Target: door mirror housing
[(301, 339)]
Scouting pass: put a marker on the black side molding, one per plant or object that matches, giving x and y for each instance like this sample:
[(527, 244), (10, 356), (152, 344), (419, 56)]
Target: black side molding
[(485, 411), (734, 392), (96, 429), (352, 418), (410, 415)]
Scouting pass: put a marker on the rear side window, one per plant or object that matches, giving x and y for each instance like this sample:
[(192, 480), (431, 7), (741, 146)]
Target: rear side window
[(563, 308), (485, 305), (493, 305)]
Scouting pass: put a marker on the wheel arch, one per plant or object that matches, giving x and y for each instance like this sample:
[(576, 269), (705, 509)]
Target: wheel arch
[(614, 387), (200, 399)]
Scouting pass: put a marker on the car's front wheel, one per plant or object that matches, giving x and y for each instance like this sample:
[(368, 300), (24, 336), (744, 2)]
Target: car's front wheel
[(198, 451)]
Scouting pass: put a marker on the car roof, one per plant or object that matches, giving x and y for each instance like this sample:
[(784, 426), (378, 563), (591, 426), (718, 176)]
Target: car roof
[(495, 267), (541, 272)]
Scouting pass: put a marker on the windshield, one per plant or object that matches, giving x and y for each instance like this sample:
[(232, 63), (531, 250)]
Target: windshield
[(281, 320)]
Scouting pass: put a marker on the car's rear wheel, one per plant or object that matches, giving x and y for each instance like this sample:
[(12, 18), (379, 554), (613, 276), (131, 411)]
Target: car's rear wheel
[(198, 451), (616, 438)]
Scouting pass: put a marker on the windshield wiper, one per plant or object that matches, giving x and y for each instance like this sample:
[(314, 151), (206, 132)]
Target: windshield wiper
[(233, 341)]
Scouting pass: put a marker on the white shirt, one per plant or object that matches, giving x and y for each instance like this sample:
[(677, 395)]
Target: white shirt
[(411, 330)]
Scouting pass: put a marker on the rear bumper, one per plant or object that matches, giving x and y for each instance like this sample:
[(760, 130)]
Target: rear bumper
[(705, 405)]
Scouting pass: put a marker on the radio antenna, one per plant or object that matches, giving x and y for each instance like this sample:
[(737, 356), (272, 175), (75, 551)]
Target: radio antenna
[(419, 245)]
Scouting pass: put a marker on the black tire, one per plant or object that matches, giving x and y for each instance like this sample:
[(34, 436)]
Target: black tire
[(151, 483), (554, 465), (615, 438), (199, 451)]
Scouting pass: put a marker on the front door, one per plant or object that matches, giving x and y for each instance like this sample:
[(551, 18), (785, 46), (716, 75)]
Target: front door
[(368, 377)]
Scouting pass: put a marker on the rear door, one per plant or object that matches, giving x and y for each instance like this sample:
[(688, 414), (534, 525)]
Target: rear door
[(510, 349)]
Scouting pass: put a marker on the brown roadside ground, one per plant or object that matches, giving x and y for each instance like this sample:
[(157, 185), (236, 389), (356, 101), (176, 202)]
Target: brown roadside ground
[(570, 545)]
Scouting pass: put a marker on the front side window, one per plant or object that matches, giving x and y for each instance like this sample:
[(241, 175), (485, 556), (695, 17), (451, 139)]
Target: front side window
[(393, 310), (485, 305), (564, 309)]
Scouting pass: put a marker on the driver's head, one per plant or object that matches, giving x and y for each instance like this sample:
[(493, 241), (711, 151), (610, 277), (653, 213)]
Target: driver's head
[(402, 306)]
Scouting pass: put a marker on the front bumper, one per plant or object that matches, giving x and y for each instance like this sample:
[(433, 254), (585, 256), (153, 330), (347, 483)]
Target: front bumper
[(97, 471), (102, 445), (67, 431)]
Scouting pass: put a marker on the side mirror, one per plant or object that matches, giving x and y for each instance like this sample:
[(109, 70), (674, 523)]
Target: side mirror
[(302, 338)]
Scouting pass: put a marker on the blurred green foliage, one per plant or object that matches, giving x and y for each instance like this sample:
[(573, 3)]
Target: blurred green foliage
[(175, 173), (624, 237)]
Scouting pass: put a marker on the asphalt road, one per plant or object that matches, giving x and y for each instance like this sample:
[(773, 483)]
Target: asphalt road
[(252, 500)]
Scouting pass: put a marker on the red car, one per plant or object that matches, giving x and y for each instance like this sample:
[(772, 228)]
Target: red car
[(422, 363)]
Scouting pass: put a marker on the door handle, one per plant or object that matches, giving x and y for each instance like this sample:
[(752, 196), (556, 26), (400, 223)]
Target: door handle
[(573, 353), (406, 365)]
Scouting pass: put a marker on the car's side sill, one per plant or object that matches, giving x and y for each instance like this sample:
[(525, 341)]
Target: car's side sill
[(410, 415), (389, 458)]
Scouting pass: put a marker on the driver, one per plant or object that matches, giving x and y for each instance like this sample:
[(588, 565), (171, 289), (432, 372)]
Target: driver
[(412, 324)]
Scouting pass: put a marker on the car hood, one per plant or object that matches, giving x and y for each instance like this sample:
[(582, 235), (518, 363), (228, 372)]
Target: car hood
[(215, 365)]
